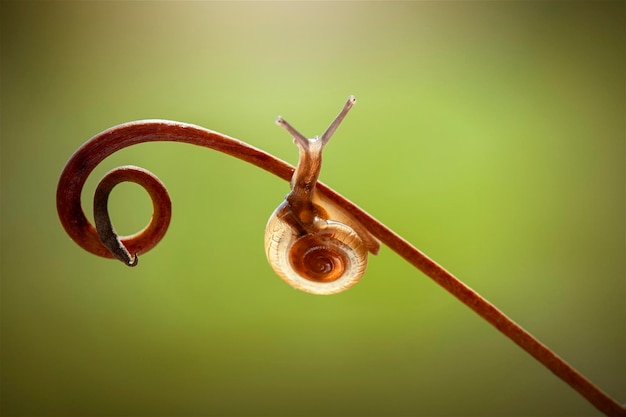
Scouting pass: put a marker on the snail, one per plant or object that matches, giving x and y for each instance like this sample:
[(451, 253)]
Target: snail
[(311, 243)]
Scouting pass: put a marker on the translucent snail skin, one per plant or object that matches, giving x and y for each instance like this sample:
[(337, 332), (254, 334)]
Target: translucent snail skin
[(310, 243)]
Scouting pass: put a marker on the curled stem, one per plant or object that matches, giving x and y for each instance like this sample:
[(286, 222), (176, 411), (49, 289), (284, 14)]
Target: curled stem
[(91, 238), (153, 233)]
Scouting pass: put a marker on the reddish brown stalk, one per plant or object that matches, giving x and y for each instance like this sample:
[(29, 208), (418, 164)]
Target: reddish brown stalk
[(88, 156)]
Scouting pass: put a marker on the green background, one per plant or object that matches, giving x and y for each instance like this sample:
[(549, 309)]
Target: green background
[(489, 134)]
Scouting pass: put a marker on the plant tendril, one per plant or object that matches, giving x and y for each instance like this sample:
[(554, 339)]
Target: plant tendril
[(161, 215), (102, 239)]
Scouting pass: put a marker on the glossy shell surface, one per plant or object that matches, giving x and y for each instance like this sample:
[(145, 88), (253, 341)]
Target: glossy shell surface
[(328, 260)]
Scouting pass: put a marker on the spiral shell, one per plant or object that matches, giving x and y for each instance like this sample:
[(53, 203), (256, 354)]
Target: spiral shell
[(328, 260)]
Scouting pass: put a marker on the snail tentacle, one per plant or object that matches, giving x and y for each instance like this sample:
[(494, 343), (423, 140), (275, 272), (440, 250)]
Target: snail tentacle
[(337, 121), (297, 136)]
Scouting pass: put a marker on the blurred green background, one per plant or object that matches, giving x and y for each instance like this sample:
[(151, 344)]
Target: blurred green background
[(489, 134)]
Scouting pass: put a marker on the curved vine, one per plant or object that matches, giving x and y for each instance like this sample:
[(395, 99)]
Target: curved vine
[(102, 240)]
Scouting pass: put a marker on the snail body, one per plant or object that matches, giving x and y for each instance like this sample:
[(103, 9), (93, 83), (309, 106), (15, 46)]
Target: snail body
[(312, 244)]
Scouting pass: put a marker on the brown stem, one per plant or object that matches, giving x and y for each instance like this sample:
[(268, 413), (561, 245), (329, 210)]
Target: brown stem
[(152, 234), (85, 159)]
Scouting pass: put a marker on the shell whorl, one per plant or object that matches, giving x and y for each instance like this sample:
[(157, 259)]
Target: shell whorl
[(328, 260)]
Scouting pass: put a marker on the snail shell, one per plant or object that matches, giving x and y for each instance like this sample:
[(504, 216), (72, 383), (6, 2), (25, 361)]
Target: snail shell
[(327, 260)]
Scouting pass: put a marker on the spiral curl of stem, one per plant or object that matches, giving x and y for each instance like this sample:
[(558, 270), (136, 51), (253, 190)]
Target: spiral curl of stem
[(103, 241)]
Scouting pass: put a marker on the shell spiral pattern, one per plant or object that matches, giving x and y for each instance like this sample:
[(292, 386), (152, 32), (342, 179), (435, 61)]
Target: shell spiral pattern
[(326, 261)]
